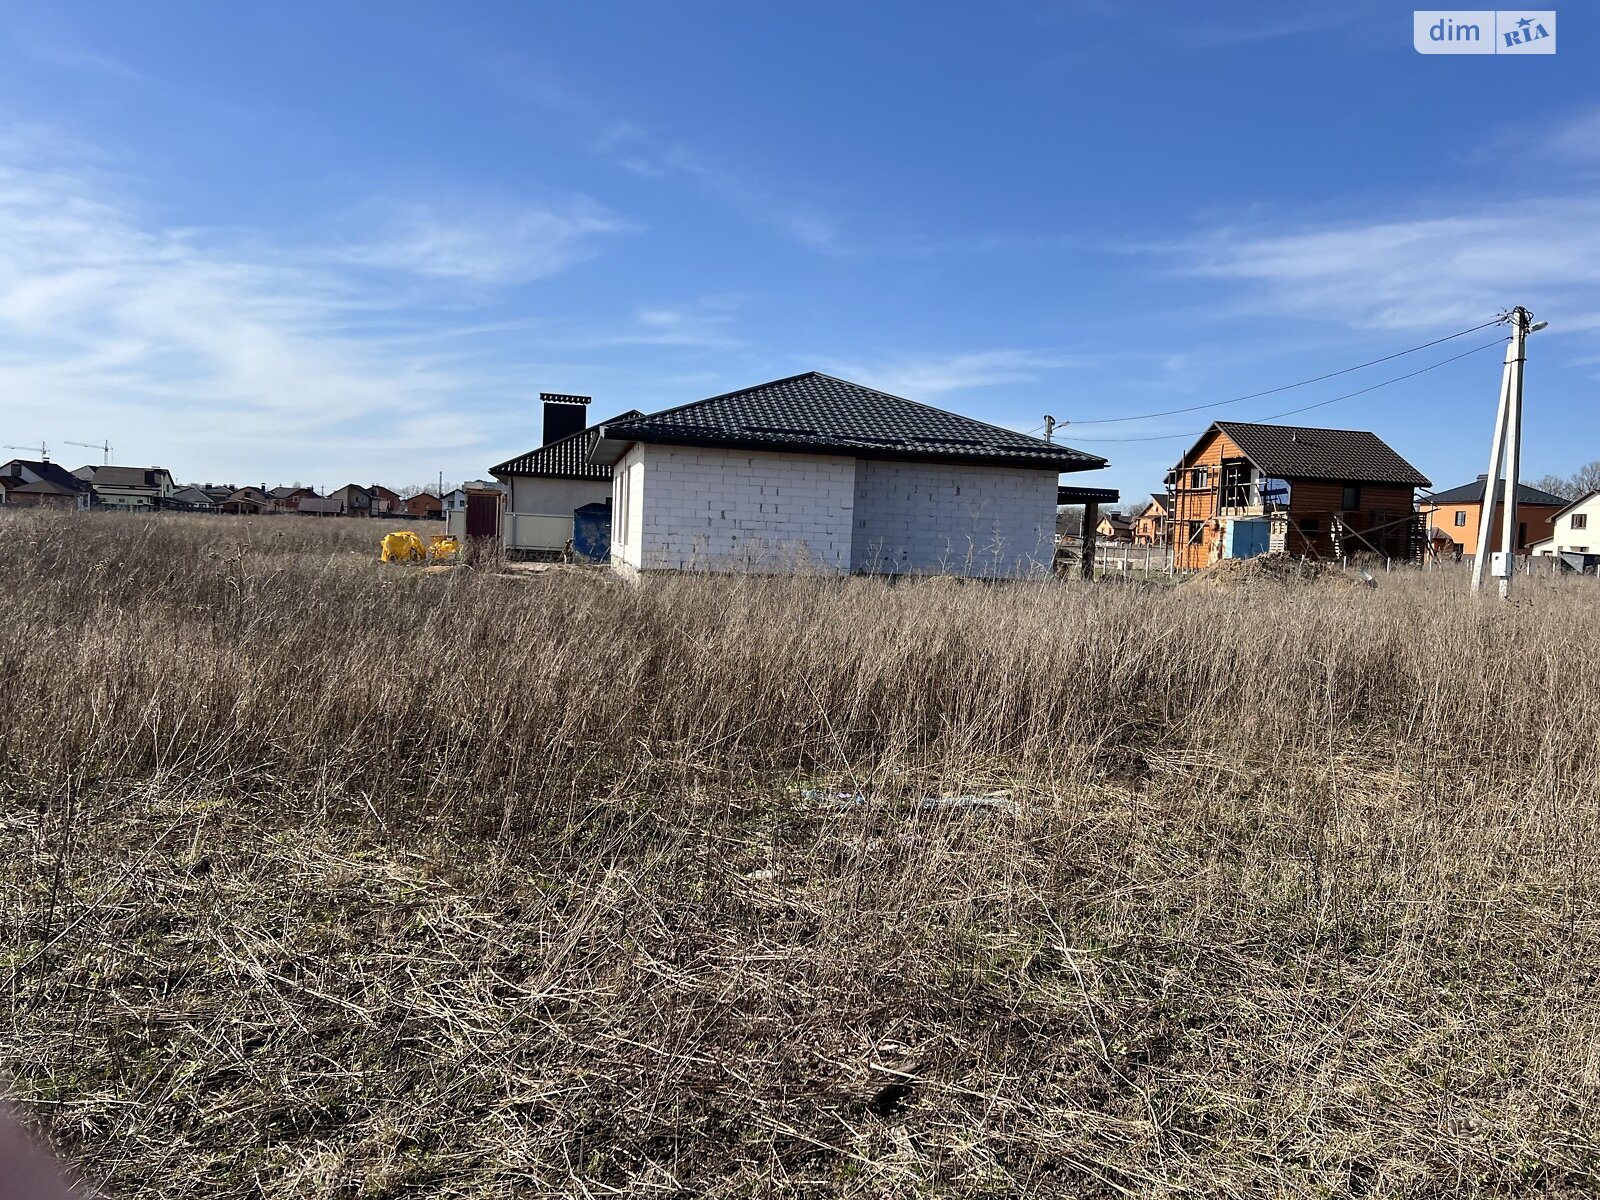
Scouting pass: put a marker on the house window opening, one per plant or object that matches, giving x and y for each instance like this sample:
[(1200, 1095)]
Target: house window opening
[(1350, 501), (1580, 520), (1236, 483)]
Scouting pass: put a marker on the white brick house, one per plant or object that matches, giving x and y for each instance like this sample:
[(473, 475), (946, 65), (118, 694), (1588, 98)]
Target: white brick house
[(814, 472)]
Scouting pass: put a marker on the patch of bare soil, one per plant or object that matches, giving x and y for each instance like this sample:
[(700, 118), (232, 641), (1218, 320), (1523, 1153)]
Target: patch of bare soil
[(1279, 569)]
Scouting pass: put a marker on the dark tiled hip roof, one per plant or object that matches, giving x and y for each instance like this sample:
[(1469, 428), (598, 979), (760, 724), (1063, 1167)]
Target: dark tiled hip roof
[(818, 414)]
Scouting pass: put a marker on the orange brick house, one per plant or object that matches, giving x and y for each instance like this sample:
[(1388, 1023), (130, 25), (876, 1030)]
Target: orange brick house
[(1314, 493), (1455, 513)]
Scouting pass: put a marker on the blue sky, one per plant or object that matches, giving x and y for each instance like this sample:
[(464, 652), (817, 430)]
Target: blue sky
[(348, 242)]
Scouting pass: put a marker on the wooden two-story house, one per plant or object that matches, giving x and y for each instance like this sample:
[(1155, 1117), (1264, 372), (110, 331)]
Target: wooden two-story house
[(1243, 489)]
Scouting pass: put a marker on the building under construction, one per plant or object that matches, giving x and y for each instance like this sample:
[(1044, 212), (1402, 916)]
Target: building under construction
[(1246, 489)]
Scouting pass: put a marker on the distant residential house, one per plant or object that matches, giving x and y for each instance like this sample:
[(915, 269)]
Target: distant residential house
[(1150, 526), (288, 497), (1575, 528), (191, 499), (822, 473), (132, 489), (424, 504), (1246, 488), (18, 477), (455, 500), (247, 502), (218, 492), (384, 500), (318, 506), (1114, 527), (1457, 513), (357, 501), (44, 494)]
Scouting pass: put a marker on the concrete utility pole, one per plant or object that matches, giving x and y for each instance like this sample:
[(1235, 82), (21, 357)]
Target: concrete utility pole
[(1507, 448), (1049, 429)]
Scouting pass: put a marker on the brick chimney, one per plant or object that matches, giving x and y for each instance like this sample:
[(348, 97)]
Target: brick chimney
[(563, 415)]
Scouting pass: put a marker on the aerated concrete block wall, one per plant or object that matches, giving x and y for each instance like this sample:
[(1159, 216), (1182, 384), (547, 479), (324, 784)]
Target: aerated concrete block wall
[(952, 520), (741, 510)]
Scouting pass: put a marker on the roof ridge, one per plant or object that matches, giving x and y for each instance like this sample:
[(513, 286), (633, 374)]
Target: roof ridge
[(1280, 425), (771, 383)]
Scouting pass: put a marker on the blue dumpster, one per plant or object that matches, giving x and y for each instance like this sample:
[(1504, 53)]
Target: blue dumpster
[(591, 532)]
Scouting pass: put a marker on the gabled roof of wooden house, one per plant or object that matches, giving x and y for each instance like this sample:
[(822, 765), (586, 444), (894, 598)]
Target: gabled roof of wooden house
[(1301, 452), (815, 413), (565, 458)]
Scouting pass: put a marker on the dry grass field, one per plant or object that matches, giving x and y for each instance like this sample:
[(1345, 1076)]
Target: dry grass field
[(322, 878)]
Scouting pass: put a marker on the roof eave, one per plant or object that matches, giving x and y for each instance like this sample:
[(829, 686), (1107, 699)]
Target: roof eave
[(607, 451)]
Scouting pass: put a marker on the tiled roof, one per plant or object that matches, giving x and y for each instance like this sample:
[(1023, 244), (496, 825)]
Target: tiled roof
[(818, 414), (52, 472), (46, 487), (1344, 455), (565, 458), (1472, 493)]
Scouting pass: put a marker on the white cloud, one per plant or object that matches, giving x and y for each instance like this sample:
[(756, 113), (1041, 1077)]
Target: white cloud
[(632, 147), (493, 247), (226, 356), (1423, 272), (1576, 139)]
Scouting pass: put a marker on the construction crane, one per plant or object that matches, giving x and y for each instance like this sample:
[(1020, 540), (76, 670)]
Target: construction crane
[(44, 451), (103, 447)]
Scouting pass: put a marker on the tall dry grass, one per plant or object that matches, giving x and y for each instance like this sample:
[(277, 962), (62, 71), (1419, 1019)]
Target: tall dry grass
[(324, 878)]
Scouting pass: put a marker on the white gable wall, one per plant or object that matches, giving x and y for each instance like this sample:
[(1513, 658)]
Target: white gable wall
[(932, 518), (1582, 535)]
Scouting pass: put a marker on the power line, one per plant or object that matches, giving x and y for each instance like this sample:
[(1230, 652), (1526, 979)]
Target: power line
[(1168, 437), (1172, 412)]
